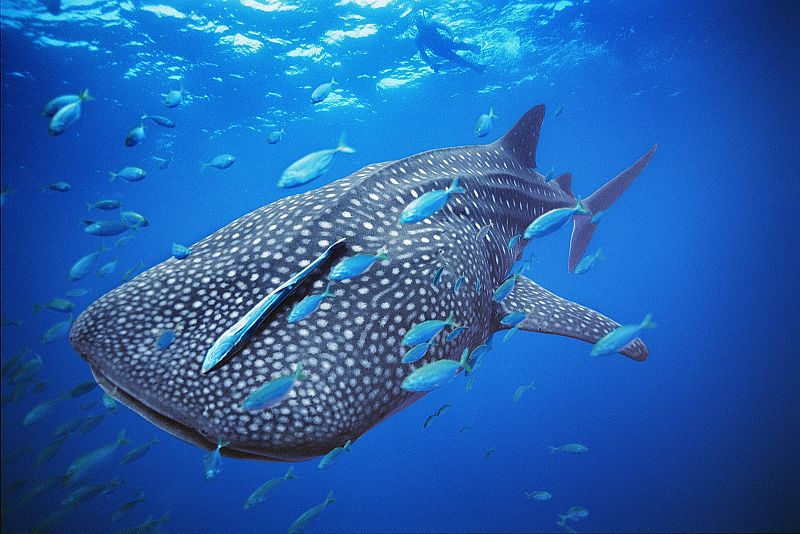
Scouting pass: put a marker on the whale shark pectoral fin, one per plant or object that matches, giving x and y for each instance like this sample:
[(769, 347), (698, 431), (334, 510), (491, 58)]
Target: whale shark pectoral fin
[(550, 314), (522, 138)]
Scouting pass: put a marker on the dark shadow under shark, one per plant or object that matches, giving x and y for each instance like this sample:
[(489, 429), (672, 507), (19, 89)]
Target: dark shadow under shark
[(350, 348)]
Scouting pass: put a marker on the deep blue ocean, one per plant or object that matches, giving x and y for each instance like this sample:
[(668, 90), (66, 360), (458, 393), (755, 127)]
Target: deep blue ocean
[(702, 436)]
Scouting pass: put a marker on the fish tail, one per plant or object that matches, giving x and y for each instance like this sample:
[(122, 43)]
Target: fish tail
[(647, 322), (552, 449), (464, 362), (329, 499), (599, 201), (599, 254), (455, 187), (89, 206), (121, 439), (290, 474), (333, 81), (328, 292), (37, 308), (203, 165), (84, 95), (492, 115), (113, 176), (347, 445), (298, 372), (342, 147)]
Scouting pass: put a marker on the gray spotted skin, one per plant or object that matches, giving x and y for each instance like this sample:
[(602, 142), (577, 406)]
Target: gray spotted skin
[(350, 347)]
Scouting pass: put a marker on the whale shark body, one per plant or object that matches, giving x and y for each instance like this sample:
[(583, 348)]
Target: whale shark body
[(350, 348)]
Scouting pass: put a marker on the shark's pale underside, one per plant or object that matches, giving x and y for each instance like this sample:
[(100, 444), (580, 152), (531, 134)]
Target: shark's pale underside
[(350, 348)]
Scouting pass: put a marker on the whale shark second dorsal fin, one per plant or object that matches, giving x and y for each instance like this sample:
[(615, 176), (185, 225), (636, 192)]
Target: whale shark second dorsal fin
[(521, 140), (550, 314)]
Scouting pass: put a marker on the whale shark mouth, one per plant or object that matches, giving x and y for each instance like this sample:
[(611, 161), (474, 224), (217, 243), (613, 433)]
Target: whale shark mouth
[(174, 426)]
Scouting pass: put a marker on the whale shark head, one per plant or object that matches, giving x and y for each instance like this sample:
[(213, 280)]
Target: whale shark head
[(350, 347)]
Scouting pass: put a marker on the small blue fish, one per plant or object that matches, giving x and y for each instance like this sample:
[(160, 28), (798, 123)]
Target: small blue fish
[(356, 265), (57, 330), (104, 205), (455, 333), (263, 491), (80, 468), (52, 107), (312, 166), (223, 161), (180, 252), (64, 118), (59, 305), (514, 318), (174, 98), (437, 276), (161, 121), (618, 338), (329, 459), (549, 222), (484, 124), (162, 163), (476, 356), (58, 187), (81, 389), (322, 91), (108, 268), (77, 292), (457, 284), (513, 242), (212, 462), (429, 203), (309, 515), (275, 136), (129, 174), (273, 392), (84, 266), (41, 411), (135, 136), (308, 305), (586, 263), (435, 374), (510, 333), (559, 111), (504, 289), (427, 330), (138, 452), (416, 352), (538, 495), (106, 228), (576, 513), (122, 240), (483, 232), (165, 339), (130, 273), (134, 220), (569, 448), (550, 174)]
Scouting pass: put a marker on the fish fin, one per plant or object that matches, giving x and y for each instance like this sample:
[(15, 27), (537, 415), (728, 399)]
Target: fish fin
[(37, 308), (550, 314), (290, 474), (342, 146), (455, 187), (329, 499), (599, 201), (113, 176), (84, 95), (121, 439), (521, 140), (565, 183), (492, 115)]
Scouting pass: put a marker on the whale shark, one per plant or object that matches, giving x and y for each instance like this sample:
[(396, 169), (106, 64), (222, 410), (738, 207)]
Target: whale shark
[(350, 347)]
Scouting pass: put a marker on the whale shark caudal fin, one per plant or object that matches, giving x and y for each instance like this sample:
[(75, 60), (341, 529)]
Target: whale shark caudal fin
[(550, 314), (521, 140), (600, 201)]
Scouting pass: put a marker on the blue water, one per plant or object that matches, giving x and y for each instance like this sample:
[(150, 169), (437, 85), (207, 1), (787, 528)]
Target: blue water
[(702, 436)]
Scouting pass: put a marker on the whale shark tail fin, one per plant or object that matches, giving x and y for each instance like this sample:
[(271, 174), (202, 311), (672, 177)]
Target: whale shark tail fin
[(521, 140), (548, 313), (598, 202)]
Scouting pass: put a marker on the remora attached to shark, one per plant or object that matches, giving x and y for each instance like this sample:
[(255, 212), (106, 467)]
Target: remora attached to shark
[(350, 348)]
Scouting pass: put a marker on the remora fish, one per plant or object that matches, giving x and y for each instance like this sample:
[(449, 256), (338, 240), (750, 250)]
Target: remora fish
[(233, 269)]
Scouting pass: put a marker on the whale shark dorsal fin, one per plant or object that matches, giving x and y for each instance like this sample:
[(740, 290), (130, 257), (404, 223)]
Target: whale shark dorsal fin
[(550, 314), (521, 140)]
